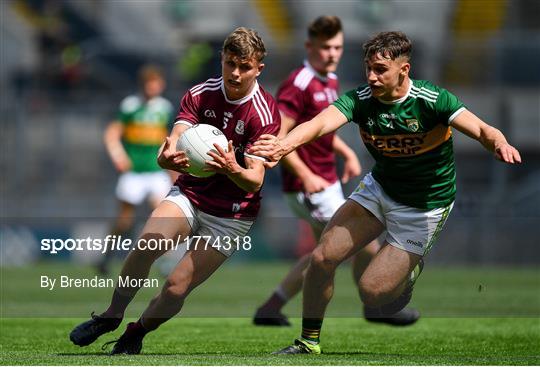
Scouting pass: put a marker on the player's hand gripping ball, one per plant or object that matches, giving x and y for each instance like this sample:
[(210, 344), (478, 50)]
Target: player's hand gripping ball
[(197, 141)]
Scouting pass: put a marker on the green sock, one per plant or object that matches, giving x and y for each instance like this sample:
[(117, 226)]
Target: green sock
[(311, 330)]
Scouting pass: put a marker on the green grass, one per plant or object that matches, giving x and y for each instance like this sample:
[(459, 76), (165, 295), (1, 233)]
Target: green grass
[(470, 317)]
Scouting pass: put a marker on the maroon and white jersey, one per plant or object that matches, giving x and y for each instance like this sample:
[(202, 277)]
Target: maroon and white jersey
[(243, 121), (302, 96)]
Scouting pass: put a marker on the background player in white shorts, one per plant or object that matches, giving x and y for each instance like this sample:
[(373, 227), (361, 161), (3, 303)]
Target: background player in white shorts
[(132, 142), (224, 204), (406, 126), (310, 180)]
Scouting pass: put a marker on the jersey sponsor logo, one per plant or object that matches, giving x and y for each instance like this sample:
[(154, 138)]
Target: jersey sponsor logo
[(370, 122), (412, 124), (210, 113), (415, 243), (239, 129), (406, 145), (235, 207), (175, 191), (389, 117)]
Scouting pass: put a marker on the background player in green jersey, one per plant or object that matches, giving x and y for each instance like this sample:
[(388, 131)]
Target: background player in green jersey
[(133, 141), (406, 126)]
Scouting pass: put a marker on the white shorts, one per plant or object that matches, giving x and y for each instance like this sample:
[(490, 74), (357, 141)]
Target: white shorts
[(134, 188), (408, 228), (223, 231), (316, 208)]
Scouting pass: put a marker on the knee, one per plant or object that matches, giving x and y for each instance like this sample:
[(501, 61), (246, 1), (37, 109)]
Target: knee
[(321, 261), (150, 246), (373, 293), (176, 289)]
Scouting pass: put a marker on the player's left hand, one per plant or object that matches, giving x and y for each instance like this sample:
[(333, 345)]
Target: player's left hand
[(223, 161), (351, 168), (507, 153), (171, 159), (269, 147)]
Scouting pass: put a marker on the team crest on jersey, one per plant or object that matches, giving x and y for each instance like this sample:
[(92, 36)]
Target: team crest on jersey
[(412, 124), (236, 207), (239, 129)]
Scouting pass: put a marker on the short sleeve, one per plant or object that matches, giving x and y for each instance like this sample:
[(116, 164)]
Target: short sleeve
[(290, 100), (346, 104), (448, 106), (188, 110), (260, 128), (127, 108)]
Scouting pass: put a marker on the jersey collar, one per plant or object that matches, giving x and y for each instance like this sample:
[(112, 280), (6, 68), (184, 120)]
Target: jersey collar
[(243, 99), (319, 76), (402, 99)]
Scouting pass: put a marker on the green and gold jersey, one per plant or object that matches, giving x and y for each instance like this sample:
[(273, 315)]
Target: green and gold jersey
[(411, 141), (146, 124)]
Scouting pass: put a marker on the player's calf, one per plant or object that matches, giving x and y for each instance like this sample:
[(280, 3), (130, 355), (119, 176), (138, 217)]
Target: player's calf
[(391, 308)]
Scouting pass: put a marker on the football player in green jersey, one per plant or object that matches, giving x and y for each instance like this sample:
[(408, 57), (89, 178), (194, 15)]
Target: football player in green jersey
[(132, 142), (406, 126)]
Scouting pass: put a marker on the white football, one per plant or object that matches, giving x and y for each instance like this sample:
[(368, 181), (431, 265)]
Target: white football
[(197, 141)]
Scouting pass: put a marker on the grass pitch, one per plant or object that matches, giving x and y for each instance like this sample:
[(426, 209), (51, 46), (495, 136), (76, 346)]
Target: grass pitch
[(470, 317)]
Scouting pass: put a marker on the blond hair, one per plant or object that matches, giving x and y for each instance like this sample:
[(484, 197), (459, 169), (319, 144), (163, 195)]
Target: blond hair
[(245, 43)]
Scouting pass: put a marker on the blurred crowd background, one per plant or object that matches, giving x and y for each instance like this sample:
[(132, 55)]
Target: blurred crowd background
[(66, 65)]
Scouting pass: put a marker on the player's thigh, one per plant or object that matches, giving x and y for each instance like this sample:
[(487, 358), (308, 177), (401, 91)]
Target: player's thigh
[(363, 257), (224, 235), (350, 229), (212, 243), (390, 268), (126, 216), (166, 228), (317, 208)]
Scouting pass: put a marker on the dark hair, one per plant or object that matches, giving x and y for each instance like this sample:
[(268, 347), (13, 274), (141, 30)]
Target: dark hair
[(245, 43), (389, 44), (326, 26)]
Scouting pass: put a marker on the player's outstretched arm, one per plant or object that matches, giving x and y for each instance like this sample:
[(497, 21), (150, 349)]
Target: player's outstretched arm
[(294, 164), (168, 157), (491, 138), (249, 179), (273, 148)]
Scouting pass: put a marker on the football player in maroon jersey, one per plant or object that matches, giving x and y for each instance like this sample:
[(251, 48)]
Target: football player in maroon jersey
[(221, 207)]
